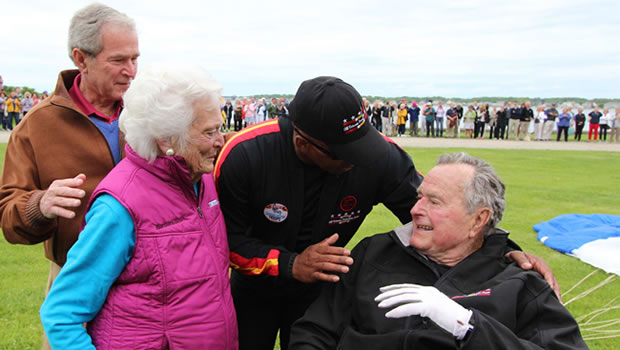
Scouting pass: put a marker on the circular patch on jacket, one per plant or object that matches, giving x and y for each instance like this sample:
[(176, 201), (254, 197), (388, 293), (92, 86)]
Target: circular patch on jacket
[(276, 212), (348, 203)]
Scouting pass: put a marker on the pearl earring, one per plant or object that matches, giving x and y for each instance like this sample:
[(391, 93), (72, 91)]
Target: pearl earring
[(169, 152)]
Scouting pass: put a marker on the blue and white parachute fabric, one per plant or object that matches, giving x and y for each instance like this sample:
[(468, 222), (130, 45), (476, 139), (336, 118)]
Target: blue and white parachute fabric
[(593, 238)]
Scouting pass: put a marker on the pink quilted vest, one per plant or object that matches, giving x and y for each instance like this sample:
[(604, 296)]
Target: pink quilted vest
[(174, 293)]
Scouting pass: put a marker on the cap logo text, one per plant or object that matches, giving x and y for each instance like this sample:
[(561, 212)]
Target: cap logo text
[(355, 122)]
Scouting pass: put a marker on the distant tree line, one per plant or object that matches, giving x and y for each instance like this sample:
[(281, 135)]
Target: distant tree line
[(8, 89), (493, 99)]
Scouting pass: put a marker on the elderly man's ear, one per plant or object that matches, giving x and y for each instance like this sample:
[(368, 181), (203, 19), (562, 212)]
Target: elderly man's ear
[(79, 58), (480, 218)]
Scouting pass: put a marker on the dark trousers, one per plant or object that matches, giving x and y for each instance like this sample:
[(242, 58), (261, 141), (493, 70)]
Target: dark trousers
[(401, 129), (439, 127), (603, 132), (430, 128), (5, 121), (500, 129), (228, 123), (492, 131), (478, 129), (578, 130), (13, 116), (563, 129), (238, 124), (260, 316)]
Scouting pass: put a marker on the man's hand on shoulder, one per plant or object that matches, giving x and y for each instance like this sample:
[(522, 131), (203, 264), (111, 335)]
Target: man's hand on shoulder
[(314, 263), (229, 135), (528, 261), (62, 194)]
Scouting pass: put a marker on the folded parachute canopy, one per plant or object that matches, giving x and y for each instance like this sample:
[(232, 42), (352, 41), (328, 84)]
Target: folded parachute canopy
[(593, 238)]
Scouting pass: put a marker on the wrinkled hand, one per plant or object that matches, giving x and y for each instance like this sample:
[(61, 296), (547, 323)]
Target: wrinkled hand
[(311, 264), (426, 301), (62, 194), (527, 261)]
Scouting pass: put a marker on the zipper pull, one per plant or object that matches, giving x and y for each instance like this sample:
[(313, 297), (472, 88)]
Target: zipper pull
[(200, 212)]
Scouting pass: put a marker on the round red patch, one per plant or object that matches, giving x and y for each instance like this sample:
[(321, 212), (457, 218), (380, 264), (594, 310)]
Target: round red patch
[(348, 203)]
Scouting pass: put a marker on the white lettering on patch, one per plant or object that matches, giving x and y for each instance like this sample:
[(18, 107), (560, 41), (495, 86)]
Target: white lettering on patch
[(276, 212)]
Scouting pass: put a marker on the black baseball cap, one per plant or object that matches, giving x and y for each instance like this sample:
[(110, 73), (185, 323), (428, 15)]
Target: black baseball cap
[(332, 111)]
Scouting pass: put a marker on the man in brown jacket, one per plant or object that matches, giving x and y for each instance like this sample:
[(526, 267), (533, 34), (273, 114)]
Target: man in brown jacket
[(58, 154)]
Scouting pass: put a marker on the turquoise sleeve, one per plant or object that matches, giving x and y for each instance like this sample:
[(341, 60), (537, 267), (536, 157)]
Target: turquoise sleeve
[(95, 261)]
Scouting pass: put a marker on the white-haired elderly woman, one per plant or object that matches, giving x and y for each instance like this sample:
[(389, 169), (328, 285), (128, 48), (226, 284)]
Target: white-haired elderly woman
[(442, 278), (150, 267)]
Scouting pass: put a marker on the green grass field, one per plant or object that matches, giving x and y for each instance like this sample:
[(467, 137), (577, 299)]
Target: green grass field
[(540, 186)]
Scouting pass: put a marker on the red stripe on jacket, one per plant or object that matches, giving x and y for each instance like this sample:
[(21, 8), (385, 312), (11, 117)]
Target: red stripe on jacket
[(263, 128), (256, 266)]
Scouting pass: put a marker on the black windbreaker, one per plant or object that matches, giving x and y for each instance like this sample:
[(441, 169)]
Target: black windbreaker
[(512, 308), (261, 189)]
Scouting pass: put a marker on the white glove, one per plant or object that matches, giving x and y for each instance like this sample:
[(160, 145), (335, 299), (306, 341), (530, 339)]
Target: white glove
[(426, 301)]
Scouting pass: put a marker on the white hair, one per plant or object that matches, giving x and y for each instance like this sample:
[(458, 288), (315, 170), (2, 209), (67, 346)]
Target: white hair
[(484, 190), (86, 24), (159, 105)]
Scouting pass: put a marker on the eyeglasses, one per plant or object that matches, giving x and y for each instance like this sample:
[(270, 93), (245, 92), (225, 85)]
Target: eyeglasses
[(320, 148)]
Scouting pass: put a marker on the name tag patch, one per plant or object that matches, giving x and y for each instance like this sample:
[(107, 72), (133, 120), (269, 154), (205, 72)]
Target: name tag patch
[(344, 218), (276, 212)]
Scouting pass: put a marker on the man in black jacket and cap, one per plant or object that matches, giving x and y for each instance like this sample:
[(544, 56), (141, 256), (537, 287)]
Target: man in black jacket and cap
[(293, 192)]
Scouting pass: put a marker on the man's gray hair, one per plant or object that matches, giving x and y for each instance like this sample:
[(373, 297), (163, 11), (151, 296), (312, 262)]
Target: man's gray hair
[(484, 190), (159, 105), (86, 24)]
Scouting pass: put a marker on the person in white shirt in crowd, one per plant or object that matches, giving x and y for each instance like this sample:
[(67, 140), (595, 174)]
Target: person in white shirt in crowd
[(440, 112), (261, 111), (27, 104), (422, 120), (603, 125), (539, 121), (386, 118)]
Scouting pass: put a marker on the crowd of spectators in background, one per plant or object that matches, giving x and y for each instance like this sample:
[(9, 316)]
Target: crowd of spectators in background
[(500, 121), (246, 112), (508, 120), (14, 105)]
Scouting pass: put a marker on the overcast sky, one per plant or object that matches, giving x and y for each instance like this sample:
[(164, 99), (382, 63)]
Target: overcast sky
[(452, 48)]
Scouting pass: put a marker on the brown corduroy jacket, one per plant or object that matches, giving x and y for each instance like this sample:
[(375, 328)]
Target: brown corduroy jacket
[(54, 141)]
